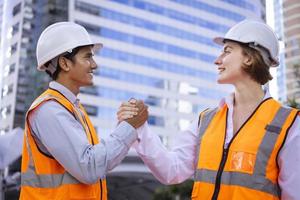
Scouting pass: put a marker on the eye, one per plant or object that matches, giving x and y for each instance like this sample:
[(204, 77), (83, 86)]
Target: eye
[(226, 52)]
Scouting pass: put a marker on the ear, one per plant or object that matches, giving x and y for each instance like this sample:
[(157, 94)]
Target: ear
[(248, 60), (64, 64)]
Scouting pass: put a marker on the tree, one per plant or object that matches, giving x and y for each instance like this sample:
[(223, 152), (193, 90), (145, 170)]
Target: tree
[(293, 103)]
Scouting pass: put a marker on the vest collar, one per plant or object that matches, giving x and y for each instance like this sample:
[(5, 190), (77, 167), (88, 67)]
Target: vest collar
[(64, 91)]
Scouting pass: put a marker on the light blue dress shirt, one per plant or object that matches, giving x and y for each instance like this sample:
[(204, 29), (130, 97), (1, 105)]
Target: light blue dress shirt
[(58, 134)]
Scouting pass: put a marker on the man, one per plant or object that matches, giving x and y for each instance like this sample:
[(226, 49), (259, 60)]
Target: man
[(62, 155)]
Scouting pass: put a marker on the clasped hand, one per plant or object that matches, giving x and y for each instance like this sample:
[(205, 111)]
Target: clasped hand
[(135, 112)]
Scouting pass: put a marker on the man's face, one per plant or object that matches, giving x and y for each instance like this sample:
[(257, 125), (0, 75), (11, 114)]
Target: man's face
[(82, 67)]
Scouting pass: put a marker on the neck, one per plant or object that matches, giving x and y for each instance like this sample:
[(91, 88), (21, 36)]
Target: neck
[(71, 86), (248, 94)]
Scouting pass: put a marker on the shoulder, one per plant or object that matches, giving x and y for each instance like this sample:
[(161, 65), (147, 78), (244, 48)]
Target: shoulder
[(47, 110), (208, 112)]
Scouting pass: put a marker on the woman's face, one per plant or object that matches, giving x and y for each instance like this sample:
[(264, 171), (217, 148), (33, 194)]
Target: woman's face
[(230, 63)]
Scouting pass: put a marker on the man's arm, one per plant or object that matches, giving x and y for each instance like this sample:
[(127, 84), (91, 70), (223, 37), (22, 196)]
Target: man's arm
[(64, 138)]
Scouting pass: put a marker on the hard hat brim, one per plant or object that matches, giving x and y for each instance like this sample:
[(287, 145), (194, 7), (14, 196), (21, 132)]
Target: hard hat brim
[(97, 46), (219, 40)]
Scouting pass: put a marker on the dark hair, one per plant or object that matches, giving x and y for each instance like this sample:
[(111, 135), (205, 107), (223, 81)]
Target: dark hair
[(69, 56), (258, 70)]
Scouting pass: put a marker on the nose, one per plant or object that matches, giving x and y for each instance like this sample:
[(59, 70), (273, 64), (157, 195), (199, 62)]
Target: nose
[(93, 64), (218, 60)]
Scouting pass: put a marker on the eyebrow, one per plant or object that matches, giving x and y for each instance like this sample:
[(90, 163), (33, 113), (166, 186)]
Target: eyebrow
[(89, 54), (228, 47)]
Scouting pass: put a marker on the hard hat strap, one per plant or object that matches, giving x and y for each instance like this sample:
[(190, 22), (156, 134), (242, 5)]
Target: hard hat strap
[(51, 66)]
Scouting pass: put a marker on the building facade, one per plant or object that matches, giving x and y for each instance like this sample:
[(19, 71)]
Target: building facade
[(281, 69), (23, 21), (158, 51), (291, 18)]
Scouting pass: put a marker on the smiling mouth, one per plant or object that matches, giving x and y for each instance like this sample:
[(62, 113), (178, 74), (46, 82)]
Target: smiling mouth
[(221, 70)]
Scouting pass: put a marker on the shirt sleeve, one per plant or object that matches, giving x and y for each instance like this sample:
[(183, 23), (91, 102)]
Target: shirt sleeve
[(65, 139), (10, 147), (168, 166), (289, 162)]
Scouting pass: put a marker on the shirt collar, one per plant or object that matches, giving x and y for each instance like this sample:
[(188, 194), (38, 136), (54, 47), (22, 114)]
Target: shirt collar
[(64, 91), (229, 99)]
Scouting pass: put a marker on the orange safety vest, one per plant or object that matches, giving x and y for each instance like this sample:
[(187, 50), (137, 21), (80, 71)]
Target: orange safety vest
[(42, 177), (247, 169)]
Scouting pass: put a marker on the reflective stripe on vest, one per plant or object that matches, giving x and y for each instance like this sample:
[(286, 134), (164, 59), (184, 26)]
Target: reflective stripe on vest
[(257, 180), (203, 123), (30, 178)]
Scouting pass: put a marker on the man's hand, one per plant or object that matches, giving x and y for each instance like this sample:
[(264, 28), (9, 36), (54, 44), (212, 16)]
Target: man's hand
[(135, 112)]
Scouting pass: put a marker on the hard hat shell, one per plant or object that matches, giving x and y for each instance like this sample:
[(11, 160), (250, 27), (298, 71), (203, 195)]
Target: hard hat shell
[(258, 34), (59, 38)]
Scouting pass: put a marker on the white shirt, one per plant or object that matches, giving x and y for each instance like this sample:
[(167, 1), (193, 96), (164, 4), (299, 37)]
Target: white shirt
[(178, 164), (10, 147)]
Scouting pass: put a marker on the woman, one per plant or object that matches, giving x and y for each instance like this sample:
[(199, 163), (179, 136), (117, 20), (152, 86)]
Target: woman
[(246, 148)]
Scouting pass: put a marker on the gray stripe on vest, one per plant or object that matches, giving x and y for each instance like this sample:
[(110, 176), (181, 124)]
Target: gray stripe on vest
[(204, 122), (267, 145), (241, 179), (29, 178)]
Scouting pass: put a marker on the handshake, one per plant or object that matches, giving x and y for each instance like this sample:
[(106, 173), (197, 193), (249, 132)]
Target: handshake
[(135, 112)]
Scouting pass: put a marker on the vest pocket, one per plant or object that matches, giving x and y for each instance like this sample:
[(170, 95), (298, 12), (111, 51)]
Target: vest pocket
[(242, 161)]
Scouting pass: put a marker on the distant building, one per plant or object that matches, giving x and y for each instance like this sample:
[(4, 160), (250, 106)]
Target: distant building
[(281, 69), (291, 19), (22, 23)]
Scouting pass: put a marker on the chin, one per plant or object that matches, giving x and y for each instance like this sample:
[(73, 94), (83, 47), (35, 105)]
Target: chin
[(220, 81), (90, 83), (224, 80)]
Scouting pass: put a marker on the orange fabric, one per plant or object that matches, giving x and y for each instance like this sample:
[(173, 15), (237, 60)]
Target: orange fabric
[(241, 154), (49, 166)]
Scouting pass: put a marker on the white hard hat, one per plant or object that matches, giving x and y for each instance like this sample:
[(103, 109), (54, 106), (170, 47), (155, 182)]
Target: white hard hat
[(59, 38), (258, 35)]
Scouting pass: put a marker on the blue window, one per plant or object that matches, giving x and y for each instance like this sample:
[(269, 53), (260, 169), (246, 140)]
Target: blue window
[(130, 77), (174, 14), (242, 4), (156, 64), (146, 24), (212, 9)]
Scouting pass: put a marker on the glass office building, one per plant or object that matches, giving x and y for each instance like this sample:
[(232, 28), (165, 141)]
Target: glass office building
[(281, 69), (158, 51), (291, 18), (22, 23)]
